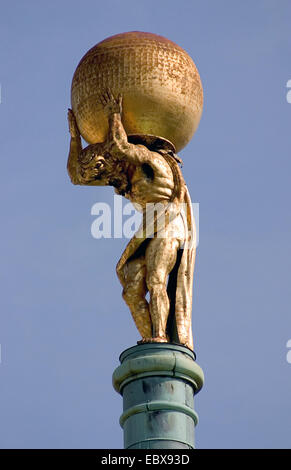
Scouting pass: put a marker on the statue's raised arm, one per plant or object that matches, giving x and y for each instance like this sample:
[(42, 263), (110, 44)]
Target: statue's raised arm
[(75, 148)]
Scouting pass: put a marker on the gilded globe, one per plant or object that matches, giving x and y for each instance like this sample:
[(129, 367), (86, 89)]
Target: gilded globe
[(159, 83)]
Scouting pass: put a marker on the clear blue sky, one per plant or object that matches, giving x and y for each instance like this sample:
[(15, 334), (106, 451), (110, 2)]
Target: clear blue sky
[(63, 323)]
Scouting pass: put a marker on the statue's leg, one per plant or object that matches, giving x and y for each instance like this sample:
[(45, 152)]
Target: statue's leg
[(160, 256), (134, 292)]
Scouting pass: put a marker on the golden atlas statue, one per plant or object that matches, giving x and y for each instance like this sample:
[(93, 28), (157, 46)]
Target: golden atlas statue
[(137, 99)]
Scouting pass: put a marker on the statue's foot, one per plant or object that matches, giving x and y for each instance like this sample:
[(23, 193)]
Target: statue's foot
[(156, 339), (144, 341), (159, 339)]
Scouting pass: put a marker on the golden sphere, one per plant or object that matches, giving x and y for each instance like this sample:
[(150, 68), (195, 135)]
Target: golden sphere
[(159, 82)]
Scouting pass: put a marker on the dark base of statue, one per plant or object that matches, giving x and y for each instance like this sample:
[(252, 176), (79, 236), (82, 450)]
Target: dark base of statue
[(158, 382)]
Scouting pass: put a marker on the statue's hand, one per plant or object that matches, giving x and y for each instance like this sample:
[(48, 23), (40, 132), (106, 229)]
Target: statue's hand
[(110, 104), (73, 127)]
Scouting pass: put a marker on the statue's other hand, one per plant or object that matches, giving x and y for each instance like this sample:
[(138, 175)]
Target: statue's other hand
[(73, 127), (110, 104)]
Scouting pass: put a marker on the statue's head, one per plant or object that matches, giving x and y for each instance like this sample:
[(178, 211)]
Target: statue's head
[(95, 164), (100, 168)]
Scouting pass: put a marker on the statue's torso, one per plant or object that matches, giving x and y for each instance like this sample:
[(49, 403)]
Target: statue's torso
[(151, 182)]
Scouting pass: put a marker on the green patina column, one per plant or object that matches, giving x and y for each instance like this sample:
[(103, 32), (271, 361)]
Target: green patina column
[(158, 382)]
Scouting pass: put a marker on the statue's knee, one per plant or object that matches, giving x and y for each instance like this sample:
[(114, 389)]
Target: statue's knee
[(155, 285), (121, 272), (131, 293)]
